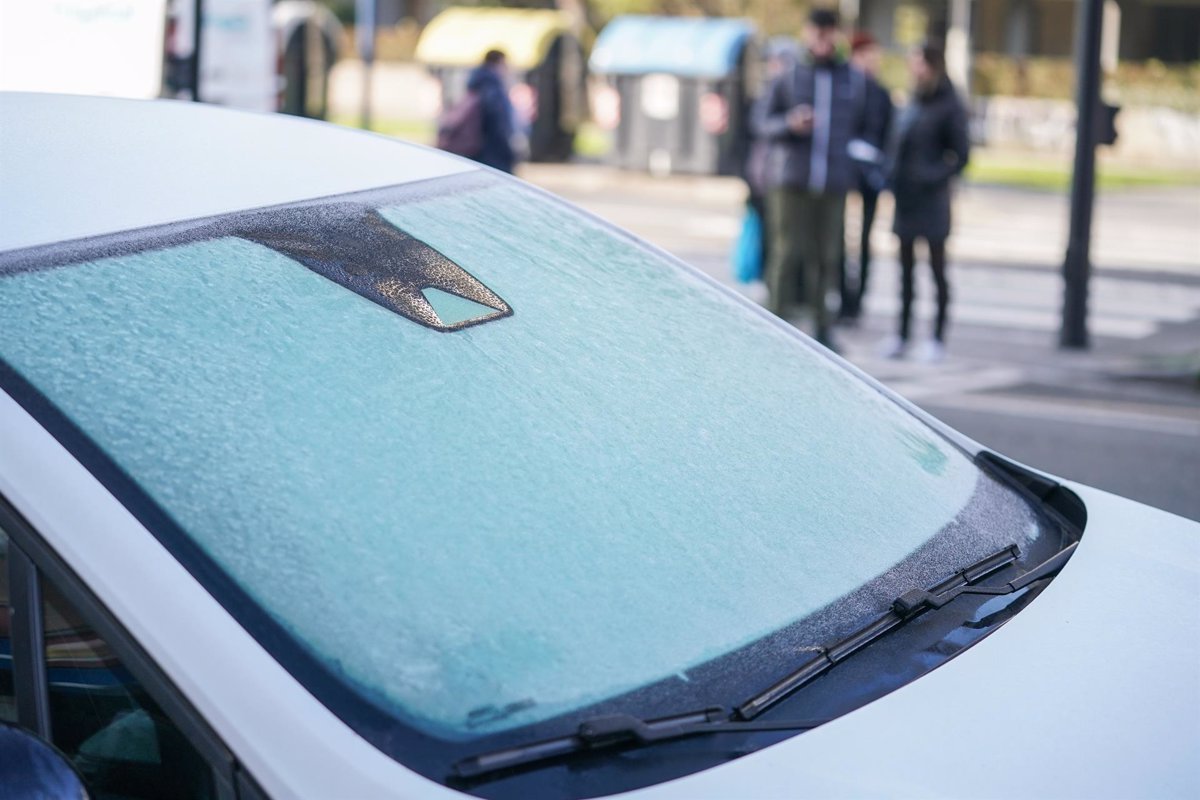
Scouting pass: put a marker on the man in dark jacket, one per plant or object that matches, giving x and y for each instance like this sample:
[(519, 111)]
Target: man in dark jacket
[(809, 115), (489, 81), (868, 153)]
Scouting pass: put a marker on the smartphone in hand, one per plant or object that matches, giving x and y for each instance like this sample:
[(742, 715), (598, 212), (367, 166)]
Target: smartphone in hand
[(800, 119)]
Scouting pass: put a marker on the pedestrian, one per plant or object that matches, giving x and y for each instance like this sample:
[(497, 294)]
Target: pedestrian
[(929, 148), (490, 82), (868, 153), (809, 117), (780, 55)]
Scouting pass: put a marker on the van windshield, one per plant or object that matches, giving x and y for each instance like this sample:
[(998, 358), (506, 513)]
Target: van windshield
[(469, 530)]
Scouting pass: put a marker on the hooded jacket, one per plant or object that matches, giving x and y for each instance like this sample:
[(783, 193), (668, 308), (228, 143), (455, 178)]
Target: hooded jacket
[(497, 119), (929, 146)]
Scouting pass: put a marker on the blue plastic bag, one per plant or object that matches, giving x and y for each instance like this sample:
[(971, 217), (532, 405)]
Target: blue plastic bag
[(747, 251)]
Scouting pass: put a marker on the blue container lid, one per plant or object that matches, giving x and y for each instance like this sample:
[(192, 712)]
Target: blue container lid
[(694, 47)]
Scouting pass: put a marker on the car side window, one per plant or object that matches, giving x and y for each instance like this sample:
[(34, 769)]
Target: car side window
[(8, 697), (61, 679), (103, 719)]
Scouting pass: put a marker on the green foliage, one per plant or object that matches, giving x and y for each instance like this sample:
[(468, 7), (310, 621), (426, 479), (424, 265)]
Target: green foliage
[(1145, 83), (342, 9), (773, 17), (592, 141), (419, 131), (1049, 174), (392, 42), (1152, 83), (605, 10)]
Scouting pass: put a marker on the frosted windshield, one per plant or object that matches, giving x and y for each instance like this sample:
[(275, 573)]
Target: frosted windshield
[(630, 476)]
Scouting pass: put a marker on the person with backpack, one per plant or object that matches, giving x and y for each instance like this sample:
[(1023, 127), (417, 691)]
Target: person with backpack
[(480, 126), (752, 252)]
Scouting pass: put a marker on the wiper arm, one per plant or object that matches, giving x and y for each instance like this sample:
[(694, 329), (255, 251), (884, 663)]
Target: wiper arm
[(624, 730), (905, 608), (619, 730)]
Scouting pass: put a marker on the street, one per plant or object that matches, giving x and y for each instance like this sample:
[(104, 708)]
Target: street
[(340, 457), (1123, 416)]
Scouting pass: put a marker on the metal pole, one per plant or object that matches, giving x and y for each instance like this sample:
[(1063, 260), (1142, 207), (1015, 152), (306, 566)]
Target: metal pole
[(197, 25), (1077, 266), (364, 23), (365, 117), (958, 45)]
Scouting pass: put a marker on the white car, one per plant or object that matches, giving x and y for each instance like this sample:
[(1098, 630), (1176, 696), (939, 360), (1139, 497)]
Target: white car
[(335, 467)]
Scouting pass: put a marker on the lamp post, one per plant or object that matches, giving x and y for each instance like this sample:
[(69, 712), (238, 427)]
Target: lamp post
[(1077, 265), (197, 25), (364, 24)]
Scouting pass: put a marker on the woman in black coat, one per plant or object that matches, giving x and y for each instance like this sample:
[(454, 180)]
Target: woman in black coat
[(929, 148)]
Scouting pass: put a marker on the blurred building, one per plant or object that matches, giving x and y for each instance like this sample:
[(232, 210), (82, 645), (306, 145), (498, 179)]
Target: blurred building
[(1166, 30)]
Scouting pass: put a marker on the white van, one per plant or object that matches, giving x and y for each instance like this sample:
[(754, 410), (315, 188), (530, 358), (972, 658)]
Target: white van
[(254, 54)]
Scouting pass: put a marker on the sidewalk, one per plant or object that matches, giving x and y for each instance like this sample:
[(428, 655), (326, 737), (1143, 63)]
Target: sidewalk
[(1006, 258)]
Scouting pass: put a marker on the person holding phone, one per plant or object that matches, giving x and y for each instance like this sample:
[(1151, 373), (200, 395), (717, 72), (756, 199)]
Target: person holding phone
[(809, 114)]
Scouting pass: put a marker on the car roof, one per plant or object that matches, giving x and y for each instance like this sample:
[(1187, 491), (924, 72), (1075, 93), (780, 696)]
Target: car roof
[(165, 161)]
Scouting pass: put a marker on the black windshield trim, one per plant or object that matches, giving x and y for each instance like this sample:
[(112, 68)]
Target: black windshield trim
[(174, 234), (614, 731), (904, 609), (624, 731)]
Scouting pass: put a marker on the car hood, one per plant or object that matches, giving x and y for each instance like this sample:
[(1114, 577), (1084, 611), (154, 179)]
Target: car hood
[(1092, 691)]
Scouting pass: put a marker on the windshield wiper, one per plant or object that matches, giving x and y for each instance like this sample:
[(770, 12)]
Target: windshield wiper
[(905, 608), (619, 730), (624, 730)]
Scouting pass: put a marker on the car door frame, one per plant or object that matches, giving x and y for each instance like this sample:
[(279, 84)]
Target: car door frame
[(31, 557)]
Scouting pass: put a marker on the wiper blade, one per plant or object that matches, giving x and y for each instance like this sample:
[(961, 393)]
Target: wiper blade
[(619, 730), (624, 730), (905, 608)]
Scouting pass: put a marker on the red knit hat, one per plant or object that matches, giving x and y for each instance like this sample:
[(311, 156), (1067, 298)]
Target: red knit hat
[(861, 39)]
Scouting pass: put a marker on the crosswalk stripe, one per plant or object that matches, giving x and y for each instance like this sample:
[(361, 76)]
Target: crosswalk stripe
[(1032, 319), (947, 383), (1151, 421)]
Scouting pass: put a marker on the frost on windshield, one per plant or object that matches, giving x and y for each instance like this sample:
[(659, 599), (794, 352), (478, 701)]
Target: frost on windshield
[(631, 475)]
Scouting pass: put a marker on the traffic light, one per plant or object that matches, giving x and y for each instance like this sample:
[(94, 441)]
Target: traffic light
[(1106, 123)]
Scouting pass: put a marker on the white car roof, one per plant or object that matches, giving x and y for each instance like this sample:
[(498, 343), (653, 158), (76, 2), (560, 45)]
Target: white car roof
[(162, 162)]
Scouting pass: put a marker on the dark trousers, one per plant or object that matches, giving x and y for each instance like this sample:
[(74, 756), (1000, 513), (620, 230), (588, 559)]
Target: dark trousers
[(852, 287), (937, 263), (806, 233)]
